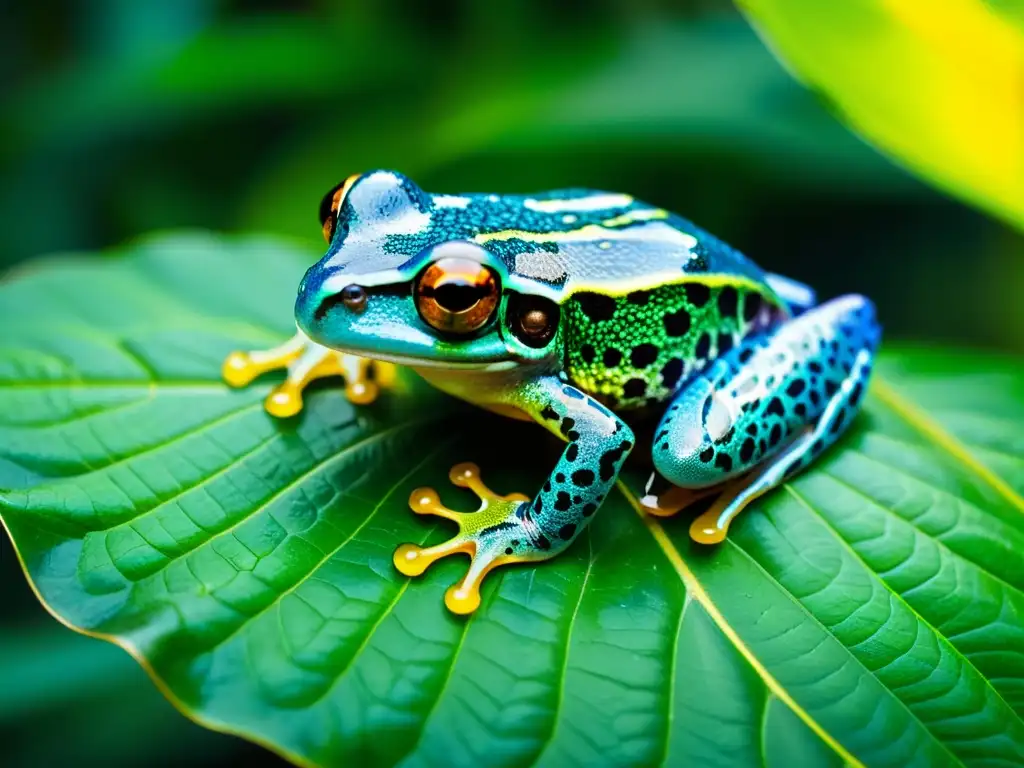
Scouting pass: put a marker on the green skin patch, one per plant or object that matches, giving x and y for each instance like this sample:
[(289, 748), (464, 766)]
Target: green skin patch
[(574, 309), (633, 351)]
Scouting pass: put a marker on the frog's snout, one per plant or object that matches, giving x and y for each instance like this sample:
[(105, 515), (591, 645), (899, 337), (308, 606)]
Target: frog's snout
[(316, 301)]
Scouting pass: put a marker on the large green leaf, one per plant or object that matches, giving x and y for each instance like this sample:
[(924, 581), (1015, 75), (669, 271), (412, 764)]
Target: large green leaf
[(870, 612), (936, 85)]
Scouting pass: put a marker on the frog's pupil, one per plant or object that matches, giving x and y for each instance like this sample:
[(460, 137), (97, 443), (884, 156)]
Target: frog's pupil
[(459, 296)]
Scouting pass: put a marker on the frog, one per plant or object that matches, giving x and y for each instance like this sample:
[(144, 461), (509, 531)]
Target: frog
[(586, 312)]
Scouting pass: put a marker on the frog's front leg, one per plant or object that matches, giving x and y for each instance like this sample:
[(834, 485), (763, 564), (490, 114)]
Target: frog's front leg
[(306, 361), (514, 529), (765, 411)]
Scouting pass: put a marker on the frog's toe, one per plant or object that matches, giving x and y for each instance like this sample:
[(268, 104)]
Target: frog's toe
[(240, 368), (364, 378), (493, 535), (305, 362), (712, 525)]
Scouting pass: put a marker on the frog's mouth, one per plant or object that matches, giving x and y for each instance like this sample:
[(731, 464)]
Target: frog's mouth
[(381, 322), (424, 362)]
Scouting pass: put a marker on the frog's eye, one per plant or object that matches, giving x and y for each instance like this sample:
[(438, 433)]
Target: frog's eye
[(331, 204), (457, 295), (533, 319)]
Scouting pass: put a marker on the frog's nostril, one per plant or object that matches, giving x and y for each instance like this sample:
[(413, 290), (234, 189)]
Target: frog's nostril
[(354, 297)]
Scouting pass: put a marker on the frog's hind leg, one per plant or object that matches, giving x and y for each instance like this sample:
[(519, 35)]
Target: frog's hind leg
[(306, 361), (768, 408), (711, 526)]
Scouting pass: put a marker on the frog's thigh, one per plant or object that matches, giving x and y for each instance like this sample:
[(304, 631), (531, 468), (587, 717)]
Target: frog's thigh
[(771, 406)]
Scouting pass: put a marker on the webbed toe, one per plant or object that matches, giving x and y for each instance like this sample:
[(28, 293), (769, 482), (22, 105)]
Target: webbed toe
[(494, 535)]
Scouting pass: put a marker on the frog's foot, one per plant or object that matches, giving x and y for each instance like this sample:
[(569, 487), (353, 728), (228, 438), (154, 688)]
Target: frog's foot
[(306, 361), (662, 499), (497, 533), (712, 525)]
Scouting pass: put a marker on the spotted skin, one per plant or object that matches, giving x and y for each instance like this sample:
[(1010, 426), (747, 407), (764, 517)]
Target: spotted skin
[(598, 444), (634, 351), (776, 401), (600, 307)]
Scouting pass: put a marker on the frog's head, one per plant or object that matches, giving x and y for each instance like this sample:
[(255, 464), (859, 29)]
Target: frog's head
[(402, 280)]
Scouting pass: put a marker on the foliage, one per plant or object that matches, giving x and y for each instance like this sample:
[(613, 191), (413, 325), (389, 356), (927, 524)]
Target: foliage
[(938, 87), (870, 611), (237, 115), (134, 115)]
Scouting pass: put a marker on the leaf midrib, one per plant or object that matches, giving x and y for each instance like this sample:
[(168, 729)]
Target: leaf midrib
[(693, 585)]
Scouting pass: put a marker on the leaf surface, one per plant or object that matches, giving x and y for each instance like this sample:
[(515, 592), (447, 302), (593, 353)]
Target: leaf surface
[(870, 612), (935, 85)]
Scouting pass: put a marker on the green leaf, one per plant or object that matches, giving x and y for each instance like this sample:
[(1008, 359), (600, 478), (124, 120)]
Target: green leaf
[(871, 612), (229, 68), (935, 85), (109, 712)]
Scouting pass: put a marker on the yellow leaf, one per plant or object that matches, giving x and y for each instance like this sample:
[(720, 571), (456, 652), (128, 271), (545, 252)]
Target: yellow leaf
[(936, 84)]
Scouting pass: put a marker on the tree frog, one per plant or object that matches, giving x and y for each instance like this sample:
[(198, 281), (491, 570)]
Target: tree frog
[(582, 311)]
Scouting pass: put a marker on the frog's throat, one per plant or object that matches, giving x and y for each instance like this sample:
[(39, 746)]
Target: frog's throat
[(495, 391)]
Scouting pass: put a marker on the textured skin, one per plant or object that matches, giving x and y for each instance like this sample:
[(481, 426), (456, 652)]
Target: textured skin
[(552, 244), (636, 350), (647, 309), (753, 402)]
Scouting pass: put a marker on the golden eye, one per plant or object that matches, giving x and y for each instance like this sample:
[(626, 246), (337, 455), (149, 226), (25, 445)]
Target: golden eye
[(457, 295), (331, 204)]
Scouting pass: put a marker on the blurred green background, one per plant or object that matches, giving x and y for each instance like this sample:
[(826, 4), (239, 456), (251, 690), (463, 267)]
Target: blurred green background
[(127, 116)]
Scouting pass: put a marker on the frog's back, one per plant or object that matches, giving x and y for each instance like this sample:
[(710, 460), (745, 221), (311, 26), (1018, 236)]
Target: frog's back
[(568, 241), (648, 297)]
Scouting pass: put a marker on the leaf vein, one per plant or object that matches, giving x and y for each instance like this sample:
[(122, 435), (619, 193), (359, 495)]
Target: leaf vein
[(924, 424)]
